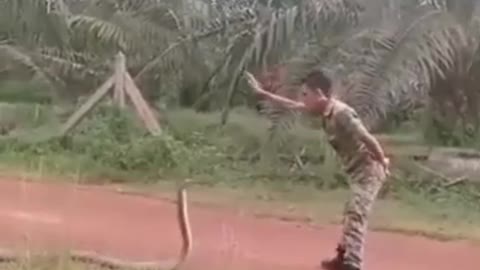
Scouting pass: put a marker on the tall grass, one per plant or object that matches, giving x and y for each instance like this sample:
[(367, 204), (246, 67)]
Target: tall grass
[(112, 145)]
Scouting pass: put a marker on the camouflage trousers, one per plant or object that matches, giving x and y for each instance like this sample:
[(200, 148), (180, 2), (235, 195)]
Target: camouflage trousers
[(366, 182)]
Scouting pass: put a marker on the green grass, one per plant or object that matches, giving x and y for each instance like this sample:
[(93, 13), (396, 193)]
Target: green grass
[(241, 165), (407, 212), (49, 263), (411, 213)]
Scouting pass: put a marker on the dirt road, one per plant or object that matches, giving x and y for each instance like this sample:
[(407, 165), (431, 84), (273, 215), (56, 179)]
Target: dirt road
[(61, 217)]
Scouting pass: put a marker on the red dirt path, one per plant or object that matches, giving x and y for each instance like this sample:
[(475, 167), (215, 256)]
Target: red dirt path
[(57, 217)]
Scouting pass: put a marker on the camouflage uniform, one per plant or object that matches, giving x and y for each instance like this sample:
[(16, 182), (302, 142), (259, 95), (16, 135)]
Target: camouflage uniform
[(343, 128)]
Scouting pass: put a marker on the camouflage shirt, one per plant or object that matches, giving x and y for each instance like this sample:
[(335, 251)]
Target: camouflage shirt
[(344, 129)]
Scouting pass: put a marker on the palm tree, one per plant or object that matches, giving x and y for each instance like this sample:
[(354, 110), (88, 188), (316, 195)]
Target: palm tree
[(454, 98), (391, 55), (70, 44), (411, 55), (279, 29), (407, 48)]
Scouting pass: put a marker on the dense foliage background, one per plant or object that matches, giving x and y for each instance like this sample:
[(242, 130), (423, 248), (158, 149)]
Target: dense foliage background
[(409, 67), (392, 58)]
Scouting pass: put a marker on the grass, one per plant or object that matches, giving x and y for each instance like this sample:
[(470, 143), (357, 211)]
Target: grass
[(241, 166), (412, 214), (48, 263)]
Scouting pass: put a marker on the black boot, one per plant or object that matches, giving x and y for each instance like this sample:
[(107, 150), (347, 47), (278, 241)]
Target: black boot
[(337, 263), (332, 264)]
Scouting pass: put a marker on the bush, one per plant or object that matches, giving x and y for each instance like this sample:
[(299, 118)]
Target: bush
[(191, 144), (24, 91), (112, 144)]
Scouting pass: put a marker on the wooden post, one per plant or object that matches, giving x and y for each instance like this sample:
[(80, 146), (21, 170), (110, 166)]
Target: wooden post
[(120, 70), (141, 106), (123, 85), (87, 106)]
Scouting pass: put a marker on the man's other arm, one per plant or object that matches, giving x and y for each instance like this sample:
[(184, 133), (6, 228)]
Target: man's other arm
[(354, 124)]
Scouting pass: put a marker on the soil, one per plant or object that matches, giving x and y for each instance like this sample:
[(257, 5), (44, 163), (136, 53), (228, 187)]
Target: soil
[(59, 217)]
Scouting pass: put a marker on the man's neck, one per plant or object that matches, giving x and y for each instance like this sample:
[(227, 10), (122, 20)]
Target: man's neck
[(327, 112)]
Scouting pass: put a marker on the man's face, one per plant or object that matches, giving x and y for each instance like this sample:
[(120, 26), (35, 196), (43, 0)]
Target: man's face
[(314, 99)]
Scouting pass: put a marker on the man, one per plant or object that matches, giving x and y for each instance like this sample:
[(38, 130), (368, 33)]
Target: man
[(362, 157)]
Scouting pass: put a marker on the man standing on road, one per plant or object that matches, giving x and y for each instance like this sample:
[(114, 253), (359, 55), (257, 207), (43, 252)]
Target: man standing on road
[(362, 158)]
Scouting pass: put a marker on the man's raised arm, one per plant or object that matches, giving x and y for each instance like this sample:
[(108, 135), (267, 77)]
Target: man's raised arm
[(286, 102)]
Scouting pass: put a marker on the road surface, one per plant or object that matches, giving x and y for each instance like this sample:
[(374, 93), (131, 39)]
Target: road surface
[(59, 217)]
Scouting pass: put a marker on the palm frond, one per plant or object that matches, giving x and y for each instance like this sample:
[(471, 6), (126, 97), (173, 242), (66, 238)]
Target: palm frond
[(16, 54), (31, 22), (209, 29), (277, 33), (97, 30), (416, 51), (65, 65)]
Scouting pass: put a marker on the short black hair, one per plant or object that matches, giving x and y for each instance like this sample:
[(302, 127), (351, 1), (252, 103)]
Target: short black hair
[(317, 79)]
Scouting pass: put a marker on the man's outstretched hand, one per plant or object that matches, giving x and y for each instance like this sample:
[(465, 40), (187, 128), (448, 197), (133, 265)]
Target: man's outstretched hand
[(254, 84), (386, 165)]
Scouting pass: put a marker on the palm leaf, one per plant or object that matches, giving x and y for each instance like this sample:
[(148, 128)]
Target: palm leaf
[(31, 22), (65, 65), (418, 50), (23, 58), (276, 34), (95, 29)]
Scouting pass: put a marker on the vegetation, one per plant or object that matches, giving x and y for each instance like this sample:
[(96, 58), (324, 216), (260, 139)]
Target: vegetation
[(111, 146), (192, 53), (46, 263), (400, 65), (49, 262)]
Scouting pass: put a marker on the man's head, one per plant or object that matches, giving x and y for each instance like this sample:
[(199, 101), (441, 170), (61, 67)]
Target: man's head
[(317, 90)]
